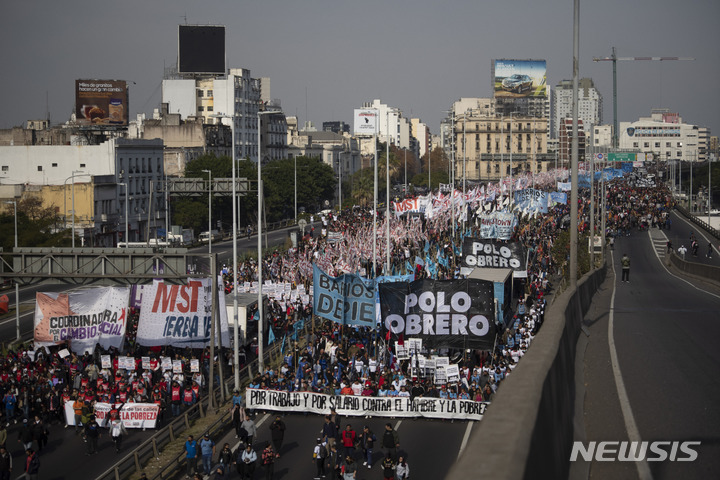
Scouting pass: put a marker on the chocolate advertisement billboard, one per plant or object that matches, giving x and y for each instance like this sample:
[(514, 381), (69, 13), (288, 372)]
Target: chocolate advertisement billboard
[(101, 102)]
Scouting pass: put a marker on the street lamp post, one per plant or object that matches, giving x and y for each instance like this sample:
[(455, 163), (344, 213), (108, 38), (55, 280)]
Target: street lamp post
[(261, 326), (17, 285), (73, 206), (127, 199), (236, 347), (209, 172)]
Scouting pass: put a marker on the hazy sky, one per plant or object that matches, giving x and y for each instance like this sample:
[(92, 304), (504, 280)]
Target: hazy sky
[(325, 58)]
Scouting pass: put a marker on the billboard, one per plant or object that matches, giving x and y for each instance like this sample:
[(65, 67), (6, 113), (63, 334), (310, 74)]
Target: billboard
[(519, 78), (101, 102), (365, 121), (201, 49)]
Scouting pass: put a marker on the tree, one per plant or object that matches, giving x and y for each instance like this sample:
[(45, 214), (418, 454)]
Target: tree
[(193, 212), (316, 183), (37, 226)]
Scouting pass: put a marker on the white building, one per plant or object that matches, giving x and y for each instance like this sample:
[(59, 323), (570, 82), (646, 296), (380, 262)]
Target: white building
[(392, 125), (602, 136), (590, 104), (98, 180), (664, 134), (237, 98)]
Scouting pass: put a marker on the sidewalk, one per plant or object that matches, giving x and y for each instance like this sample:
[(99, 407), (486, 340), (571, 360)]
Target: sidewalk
[(600, 417)]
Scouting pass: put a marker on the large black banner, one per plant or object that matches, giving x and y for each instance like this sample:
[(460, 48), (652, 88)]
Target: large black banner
[(444, 313), (484, 253)]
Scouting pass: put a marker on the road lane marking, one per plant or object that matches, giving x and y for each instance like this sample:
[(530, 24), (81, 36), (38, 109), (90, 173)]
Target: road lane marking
[(465, 439), (630, 425), (257, 425)]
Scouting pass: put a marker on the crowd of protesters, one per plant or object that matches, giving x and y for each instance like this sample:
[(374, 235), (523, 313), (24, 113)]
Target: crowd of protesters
[(334, 359)]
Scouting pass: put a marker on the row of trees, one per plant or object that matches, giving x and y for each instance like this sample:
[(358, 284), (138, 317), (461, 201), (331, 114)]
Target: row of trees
[(316, 185)]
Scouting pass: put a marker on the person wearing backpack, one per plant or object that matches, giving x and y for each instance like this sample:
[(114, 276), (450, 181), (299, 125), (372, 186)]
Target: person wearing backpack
[(367, 440), (319, 455)]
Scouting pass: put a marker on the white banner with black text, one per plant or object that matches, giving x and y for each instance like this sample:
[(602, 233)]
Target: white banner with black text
[(352, 405)]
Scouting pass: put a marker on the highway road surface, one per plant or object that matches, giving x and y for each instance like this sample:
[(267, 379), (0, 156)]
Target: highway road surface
[(652, 363)]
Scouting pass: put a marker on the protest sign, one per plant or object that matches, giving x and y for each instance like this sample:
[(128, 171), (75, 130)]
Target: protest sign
[(494, 254), (105, 361), (444, 313), (531, 200), (351, 405), (180, 315), (133, 415), (345, 299), (497, 224), (126, 363), (85, 318), (166, 363)]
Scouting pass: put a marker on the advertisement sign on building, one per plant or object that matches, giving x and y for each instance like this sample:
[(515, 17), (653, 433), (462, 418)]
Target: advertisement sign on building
[(201, 49), (101, 102), (365, 121), (519, 78)]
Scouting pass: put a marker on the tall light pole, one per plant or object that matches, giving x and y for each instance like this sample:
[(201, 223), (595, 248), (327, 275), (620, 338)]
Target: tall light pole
[(17, 285), (236, 346), (73, 205), (209, 172), (387, 196), (375, 194), (127, 199), (261, 323), (574, 159), (464, 170), (295, 158), (709, 202)]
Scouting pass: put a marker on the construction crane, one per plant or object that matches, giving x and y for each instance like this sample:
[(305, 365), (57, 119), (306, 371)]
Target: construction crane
[(614, 59)]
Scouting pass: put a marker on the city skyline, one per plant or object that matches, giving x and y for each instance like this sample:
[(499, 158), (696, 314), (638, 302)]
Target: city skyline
[(326, 59)]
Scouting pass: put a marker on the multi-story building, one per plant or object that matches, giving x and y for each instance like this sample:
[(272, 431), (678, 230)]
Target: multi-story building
[(92, 186), (590, 104), (664, 134), (602, 136), (492, 147), (420, 132), (565, 138), (184, 139), (233, 100), (336, 127)]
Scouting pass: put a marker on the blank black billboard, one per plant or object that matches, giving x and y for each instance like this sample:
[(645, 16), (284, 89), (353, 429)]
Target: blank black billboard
[(201, 49)]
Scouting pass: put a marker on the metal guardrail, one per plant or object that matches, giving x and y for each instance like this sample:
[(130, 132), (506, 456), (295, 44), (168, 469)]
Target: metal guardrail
[(134, 461), (697, 220)]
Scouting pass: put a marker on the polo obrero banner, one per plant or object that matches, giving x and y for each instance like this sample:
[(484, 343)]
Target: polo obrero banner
[(444, 313), (485, 253)]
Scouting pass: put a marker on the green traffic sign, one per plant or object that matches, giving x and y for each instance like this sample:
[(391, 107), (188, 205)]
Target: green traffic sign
[(621, 157)]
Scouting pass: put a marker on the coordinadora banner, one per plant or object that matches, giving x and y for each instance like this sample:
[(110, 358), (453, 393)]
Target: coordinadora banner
[(133, 415), (86, 318), (351, 405), (444, 313), (180, 315), (345, 299)]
